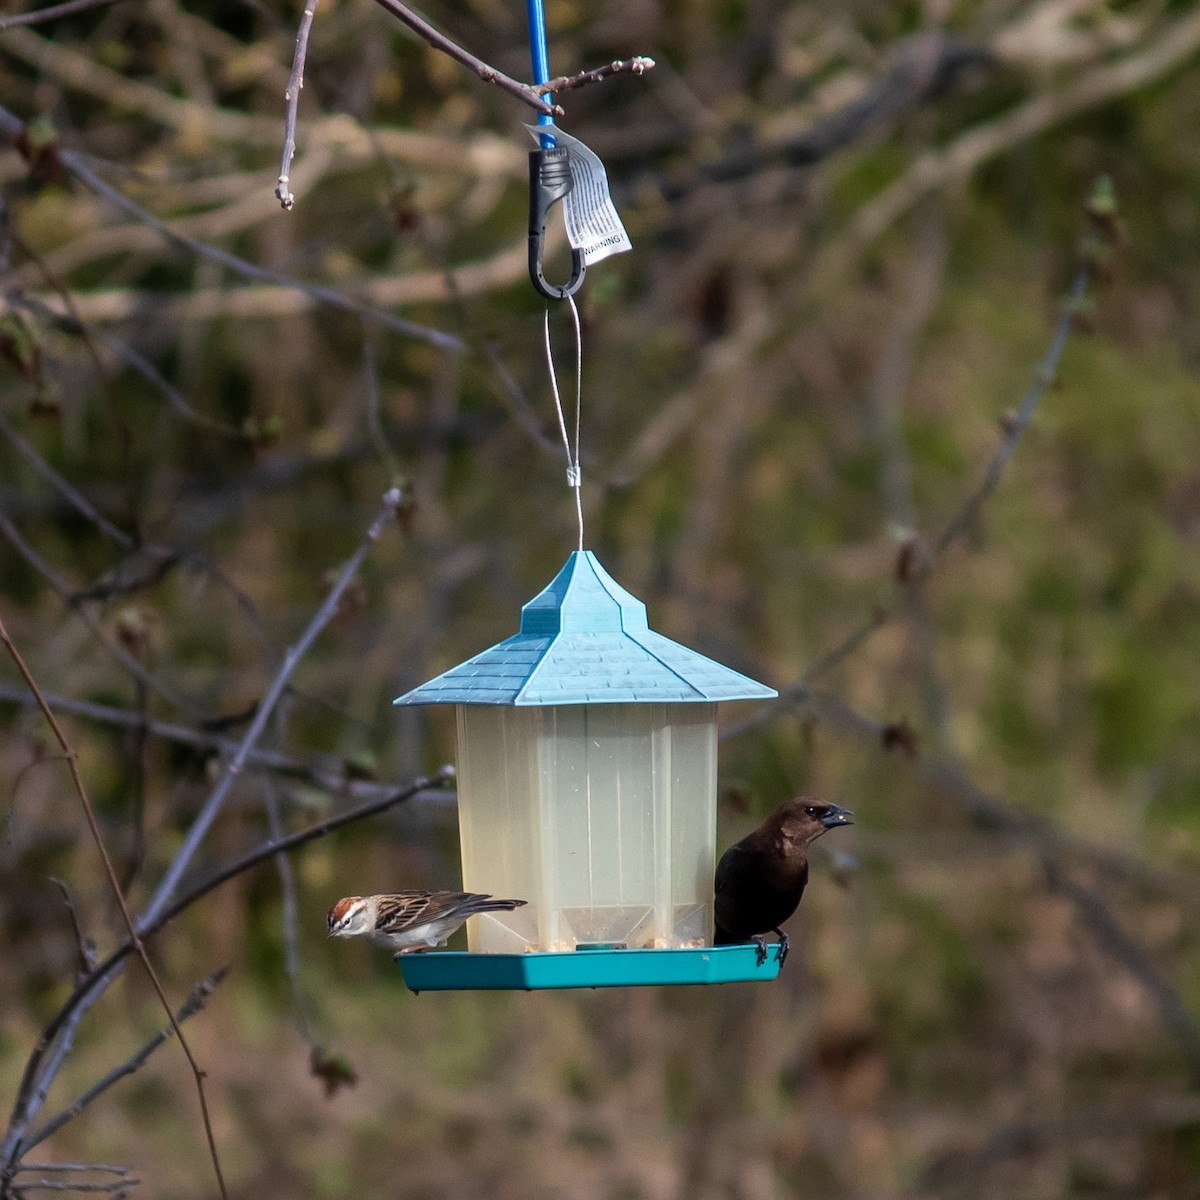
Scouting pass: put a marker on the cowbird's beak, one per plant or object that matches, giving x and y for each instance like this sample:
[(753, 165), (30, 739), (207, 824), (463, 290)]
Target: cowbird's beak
[(837, 816)]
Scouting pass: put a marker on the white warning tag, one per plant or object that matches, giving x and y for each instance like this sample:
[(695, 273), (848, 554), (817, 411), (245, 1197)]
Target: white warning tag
[(593, 226)]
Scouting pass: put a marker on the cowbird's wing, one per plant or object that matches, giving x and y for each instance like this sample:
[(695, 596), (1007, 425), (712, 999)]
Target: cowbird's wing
[(755, 891), (734, 875)]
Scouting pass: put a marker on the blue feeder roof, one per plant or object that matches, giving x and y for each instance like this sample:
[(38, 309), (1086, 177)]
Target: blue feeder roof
[(585, 640)]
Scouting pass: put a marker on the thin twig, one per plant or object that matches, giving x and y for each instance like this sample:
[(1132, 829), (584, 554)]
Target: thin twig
[(923, 286), (274, 846), (800, 693), (374, 424), (175, 398), (76, 498), (67, 594), (51, 13), (63, 1185), (333, 777), (194, 1004), (76, 164), (167, 556), (510, 391), (917, 66), (126, 915), (1046, 375), (292, 97), (84, 945), (259, 302), (638, 65), (103, 1168), (137, 787), (1126, 953), (71, 322), (60, 289), (295, 840), (489, 74), (291, 931), (935, 169), (1024, 1138), (955, 528)]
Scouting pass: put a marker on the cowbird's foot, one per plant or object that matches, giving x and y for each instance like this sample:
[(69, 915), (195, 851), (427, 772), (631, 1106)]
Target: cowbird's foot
[(760, 945), (782, 946)]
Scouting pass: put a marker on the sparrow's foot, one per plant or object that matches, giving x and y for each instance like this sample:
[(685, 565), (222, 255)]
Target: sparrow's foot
[(782, 946), (760, 944)]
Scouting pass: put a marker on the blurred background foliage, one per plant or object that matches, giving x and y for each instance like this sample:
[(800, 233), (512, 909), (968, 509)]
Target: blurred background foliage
[(854, 227)]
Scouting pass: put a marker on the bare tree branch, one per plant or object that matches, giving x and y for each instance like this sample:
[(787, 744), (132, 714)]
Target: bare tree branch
[(1022, 1138), (918, 67), (955, 528), (1047, 373), (67, 594), (292, 98), (489, 74), (63, 1185), (1081, 93), (166, 557), (101, 1168), (1052, 843), (212, 806), (295, 840), (330, 772), (194, 1004), (52, 12), (120, 1186), (318, 292), (88, 990), (75, 497), (638, 65), (138, 947), (85, 947), (39, 1070), (291, 932), (12, 126), (71, 321), (1106, 930)]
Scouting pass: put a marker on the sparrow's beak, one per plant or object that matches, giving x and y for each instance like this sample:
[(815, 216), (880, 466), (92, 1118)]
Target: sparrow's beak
[(837, 816)]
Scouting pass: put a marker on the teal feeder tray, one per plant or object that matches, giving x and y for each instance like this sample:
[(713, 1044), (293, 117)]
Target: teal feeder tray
[(584, 968), (587, 780)]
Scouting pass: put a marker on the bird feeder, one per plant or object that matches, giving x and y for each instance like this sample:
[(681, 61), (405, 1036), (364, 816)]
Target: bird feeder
[(587, 760)]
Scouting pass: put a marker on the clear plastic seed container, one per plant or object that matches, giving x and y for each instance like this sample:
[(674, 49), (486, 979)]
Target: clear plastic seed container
[(601, 816)]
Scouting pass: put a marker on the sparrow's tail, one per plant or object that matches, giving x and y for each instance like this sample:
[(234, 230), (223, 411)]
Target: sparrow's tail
[(477, 903)]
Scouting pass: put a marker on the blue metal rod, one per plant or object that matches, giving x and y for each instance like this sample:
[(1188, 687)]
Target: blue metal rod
[(541, 62)]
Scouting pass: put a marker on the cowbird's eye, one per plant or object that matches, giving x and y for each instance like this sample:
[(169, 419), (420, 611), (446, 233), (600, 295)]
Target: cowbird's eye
[(814, 810)]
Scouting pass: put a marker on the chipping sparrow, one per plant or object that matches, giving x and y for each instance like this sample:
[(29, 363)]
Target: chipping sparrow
[(408, 921)]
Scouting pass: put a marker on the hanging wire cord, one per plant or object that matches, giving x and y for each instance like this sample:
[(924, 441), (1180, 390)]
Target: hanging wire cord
[(549, 171), (574, 475)]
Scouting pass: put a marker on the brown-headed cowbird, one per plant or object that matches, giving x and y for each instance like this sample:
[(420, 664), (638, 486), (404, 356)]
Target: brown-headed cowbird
[(761, 878)]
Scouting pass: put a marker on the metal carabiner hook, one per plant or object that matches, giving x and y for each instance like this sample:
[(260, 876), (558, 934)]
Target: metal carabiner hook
[(549, 181)]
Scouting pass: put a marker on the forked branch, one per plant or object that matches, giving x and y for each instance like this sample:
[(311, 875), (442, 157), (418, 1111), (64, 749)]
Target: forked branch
[(526, 93)]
